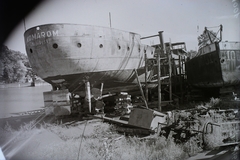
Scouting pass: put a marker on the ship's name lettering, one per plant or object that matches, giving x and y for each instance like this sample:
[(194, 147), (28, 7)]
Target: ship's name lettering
[(40, 35), (40, 42)]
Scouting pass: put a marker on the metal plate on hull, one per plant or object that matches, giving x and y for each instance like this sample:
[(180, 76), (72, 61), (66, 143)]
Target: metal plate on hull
[(230, 62), (205, 70)]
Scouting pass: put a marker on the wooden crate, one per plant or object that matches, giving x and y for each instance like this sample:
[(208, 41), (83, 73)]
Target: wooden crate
[(147, 118)]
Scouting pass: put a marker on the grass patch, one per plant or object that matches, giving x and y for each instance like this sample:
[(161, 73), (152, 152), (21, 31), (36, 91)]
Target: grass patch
[(97, 140)]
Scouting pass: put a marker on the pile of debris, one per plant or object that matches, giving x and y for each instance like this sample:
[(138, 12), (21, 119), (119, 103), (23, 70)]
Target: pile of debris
[(205, 123), (123, 104)]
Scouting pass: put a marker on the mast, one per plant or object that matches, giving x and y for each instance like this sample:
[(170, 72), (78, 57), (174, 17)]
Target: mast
[(24, 24), (110, 20)]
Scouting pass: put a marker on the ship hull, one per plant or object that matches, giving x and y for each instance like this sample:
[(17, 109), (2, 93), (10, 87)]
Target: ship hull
[(68, 54), (217, 65), (76, 82)]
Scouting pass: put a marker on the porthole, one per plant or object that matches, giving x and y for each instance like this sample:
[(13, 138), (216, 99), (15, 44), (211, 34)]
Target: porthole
[(101, 46), (119, 47), (55, 45), (79, 45), (222, 60), (31, 50)]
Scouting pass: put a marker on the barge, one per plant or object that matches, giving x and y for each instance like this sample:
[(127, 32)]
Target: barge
[(216, 67)]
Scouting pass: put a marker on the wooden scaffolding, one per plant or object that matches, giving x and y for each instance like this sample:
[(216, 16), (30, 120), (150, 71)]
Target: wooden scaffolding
[(167, 70)]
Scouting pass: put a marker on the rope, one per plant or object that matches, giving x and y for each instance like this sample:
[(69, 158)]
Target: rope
[(80, 145)]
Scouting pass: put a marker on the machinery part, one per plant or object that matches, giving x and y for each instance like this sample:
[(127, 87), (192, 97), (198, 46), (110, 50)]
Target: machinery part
[(226, 133)]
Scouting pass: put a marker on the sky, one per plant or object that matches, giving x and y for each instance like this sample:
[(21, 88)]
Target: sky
[(180, 20)]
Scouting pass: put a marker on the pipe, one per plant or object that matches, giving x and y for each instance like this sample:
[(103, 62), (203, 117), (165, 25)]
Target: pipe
[(88, 95)]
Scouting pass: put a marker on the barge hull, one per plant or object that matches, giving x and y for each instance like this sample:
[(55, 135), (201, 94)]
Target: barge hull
[(217, 66)]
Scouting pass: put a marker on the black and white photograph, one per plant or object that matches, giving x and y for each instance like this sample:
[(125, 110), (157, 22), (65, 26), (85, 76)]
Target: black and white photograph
[(120, 80)]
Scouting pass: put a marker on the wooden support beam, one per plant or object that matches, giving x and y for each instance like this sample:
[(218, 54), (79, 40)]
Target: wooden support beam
[(149, 36), (180, 65), (140, 87), (146, 71), (159, 70), (170, 71)]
